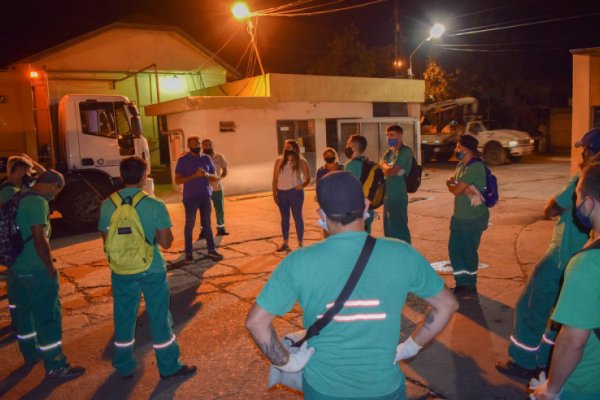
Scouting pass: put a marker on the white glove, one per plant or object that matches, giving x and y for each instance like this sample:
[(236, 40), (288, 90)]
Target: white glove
[(401, 172), (297, 360), (539, 384), (407, 349), (477, 198)]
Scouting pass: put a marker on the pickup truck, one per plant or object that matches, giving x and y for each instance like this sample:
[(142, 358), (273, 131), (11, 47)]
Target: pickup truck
[(497, 146)]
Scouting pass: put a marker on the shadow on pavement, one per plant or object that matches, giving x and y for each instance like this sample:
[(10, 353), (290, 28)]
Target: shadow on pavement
[(14, 378), (43, 390), (165, 389), (7, 335), (183, 308)]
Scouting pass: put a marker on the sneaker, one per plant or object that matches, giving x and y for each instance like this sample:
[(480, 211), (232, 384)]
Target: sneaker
[(514, 370), (284, 247), (65, 372), (189, 258), (214, 255), (183, 371), (222, 232), (201, 235)]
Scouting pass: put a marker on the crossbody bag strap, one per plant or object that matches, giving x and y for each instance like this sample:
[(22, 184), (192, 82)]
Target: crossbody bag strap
[(363, 259)]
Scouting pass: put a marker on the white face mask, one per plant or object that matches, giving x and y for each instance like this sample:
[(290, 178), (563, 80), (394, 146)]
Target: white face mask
[(323, 224), (366, 215)]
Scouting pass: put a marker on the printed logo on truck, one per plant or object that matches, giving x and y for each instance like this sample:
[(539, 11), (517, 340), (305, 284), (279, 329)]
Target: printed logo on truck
[(101, 162)]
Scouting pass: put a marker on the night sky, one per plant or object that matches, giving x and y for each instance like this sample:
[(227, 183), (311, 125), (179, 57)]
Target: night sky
[(541, 45)]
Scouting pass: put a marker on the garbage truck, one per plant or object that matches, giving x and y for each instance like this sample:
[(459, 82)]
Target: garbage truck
[(84, 136)]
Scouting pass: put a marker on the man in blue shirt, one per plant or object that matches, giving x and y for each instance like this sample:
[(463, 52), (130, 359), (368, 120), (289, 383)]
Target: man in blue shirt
[(194, 171)]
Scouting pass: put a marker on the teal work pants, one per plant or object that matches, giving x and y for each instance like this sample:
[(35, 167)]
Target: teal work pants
[(395, 218), (127, 291), (36, 317), (465, 236), (219, 203), (527, 346)]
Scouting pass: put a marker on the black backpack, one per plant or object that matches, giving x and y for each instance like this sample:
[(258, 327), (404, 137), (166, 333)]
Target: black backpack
[(11, 241), (373, 182), (413, 180)]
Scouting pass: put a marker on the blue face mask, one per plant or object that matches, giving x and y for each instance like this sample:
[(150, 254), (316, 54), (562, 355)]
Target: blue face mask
[(584, 219), (460, 155), (392, 142)]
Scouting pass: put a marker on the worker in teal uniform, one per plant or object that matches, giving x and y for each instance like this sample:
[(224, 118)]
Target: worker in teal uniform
[(396, 162), (355, 147), (33, 288), (470, 217), (152, 283), (532, 338)]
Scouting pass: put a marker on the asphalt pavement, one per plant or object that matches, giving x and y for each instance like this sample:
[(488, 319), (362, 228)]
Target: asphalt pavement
[(210, 300)]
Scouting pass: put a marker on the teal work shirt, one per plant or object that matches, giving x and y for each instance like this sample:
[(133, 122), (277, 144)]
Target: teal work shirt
[(567, 237), (475, 175), (33, 210), (395, 186), (153, 216), (578, 307), (355, 352), (355, 166)]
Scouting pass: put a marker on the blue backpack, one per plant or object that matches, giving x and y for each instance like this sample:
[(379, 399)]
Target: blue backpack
[(490, 192)]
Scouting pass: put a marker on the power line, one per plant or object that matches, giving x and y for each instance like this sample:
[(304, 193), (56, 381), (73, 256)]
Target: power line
[(292, 13), (471, 31)]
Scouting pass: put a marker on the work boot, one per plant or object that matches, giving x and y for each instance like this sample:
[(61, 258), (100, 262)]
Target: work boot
[(65, 372), (514, 370), (183, 371), (221, 231), (214, 255)]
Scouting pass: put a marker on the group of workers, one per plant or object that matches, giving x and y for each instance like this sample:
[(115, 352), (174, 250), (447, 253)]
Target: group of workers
[(368, 324)]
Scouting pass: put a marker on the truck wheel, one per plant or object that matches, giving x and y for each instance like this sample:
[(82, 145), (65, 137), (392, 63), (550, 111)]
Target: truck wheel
[(443, 157), (426, 154), (515, 159), (80, 206), (494, 154)]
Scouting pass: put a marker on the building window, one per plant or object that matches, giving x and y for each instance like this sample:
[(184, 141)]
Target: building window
[(303, 131), (227, 126)]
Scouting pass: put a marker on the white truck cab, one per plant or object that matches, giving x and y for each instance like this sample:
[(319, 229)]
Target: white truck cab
[(498, 144)]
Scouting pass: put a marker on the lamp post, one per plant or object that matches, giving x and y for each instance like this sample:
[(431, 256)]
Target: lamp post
[(241, 12), (434, 33)]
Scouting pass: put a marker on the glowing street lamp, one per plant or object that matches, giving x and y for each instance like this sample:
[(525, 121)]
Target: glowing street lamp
[(241, 12), (434, 33)]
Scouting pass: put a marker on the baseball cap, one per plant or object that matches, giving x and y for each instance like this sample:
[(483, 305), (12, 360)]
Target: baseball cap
[(590, 140), (340, 193), (469, 142)]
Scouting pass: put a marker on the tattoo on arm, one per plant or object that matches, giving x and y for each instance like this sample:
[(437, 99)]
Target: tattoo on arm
[(429, 320), (274, 350)]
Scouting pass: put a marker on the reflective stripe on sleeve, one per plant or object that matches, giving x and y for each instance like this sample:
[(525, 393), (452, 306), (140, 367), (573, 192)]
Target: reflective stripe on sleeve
[(165, 344), (12, 306), (125, 344), (523, 346), (50, 346), (27, 336)]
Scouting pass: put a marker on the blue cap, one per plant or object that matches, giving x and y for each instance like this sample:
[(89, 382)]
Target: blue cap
[(340, 193), (591, 140)]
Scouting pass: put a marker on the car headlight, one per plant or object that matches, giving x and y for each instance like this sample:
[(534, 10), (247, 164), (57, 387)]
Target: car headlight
[(513, 143), (531, 141)]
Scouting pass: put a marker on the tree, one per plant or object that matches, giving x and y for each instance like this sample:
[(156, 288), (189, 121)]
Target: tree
[(436, 83), (347, 56)]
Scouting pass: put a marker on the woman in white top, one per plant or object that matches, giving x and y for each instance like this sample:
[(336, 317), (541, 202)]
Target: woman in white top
[(290, 175)]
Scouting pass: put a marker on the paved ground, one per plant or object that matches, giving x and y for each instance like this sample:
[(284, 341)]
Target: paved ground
[(210, 301)]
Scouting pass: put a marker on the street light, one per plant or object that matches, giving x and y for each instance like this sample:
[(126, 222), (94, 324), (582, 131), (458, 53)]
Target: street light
[(241, 12), (434, 33)]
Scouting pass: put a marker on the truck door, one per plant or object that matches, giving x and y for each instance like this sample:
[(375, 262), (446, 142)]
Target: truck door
[(106, 136)]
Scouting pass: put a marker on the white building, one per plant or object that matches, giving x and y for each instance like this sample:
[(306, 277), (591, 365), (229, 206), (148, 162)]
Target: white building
[(249, 120)]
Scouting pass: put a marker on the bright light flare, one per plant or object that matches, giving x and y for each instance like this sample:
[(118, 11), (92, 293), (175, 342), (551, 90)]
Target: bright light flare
[(437, 31), (240, 11), (34, 74)]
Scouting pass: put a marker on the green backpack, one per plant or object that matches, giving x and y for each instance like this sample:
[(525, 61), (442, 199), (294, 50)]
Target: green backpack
[(126, 247)]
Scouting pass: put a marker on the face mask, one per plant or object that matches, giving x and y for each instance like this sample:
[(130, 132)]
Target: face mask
[(348, 152), (288, 153), (329, 160), (366, 215), (459, 154), (392, 142), (27, 181), (584, 219), (208, 151), (323, 224), (195, 150)]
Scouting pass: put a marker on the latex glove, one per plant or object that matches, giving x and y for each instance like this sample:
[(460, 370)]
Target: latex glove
[(407, 349), (476, 198), (540, 389), (401, 172), (297, 360)]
